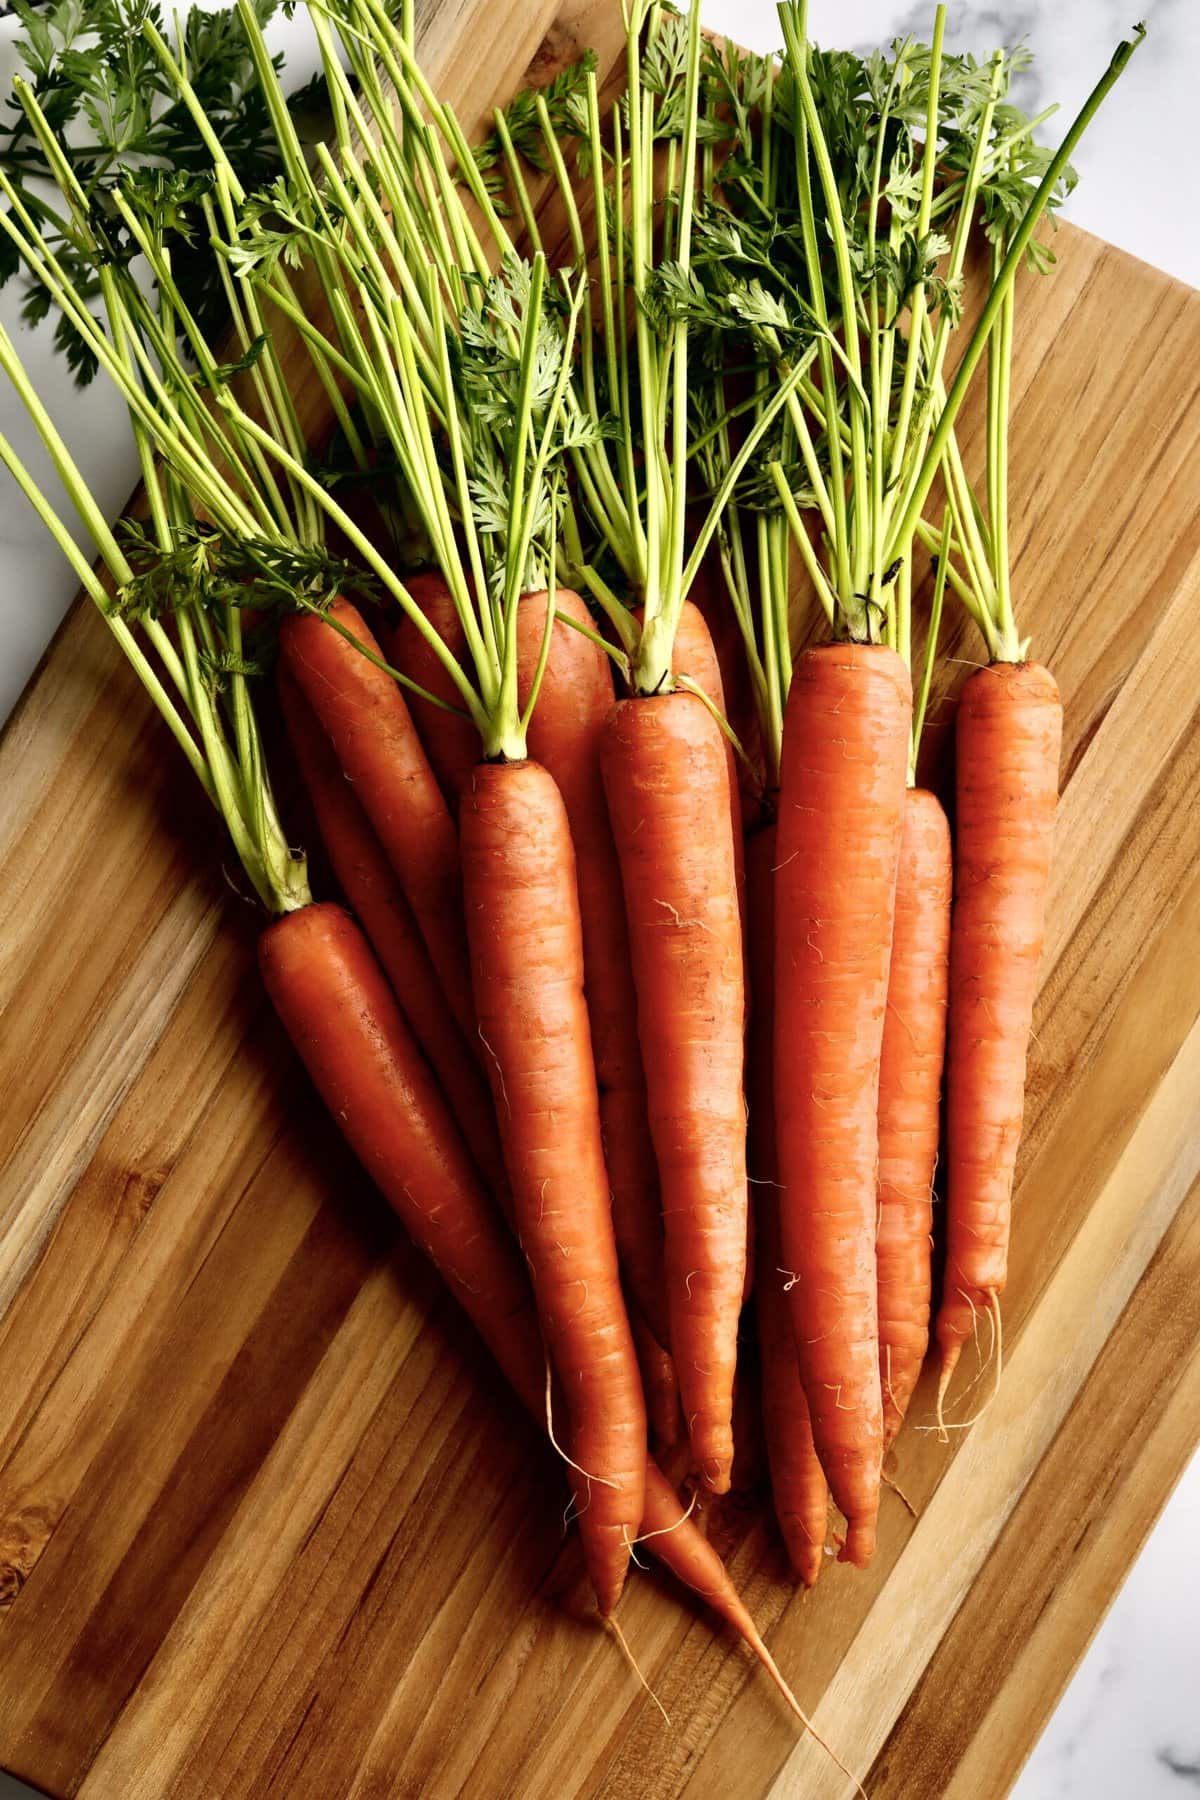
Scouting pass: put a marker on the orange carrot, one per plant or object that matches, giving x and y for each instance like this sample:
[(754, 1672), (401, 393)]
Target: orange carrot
[(365, 716), (666, 778), (910, 1085), (659, 1383), (797, 1480), (337, 1008), (450, 739), (1007, 742), (798, 1486), (680, 1545), (527, 969), (373, 890), (342, 1017), (574, 702), (709, 595), (841, 806), (696, 657)]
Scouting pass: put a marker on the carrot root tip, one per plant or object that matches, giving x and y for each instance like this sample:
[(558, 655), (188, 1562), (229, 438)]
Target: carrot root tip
[(950, 1355), (807, 1567), (611, 1625), (859, 1546), (772, 1667), (716, 1472), (889, 1481)]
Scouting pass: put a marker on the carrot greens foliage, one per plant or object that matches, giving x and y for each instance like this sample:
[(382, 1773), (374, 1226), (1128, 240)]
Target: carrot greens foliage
[(93, 71)]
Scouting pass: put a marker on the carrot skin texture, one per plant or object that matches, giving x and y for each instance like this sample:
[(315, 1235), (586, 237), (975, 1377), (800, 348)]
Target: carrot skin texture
[(376, 898), (1007, 742), (666, 777), (574, 701), (697, 657), (342, 1017), (450, 739), (527, 973), (565, 734), (709, 597), (910, 1091), (841, 808), (659, 1384), (336, 1006), (798, 1484), (364, 714)]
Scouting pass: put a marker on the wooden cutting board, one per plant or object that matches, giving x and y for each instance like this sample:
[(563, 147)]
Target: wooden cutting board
[(269, 1524)]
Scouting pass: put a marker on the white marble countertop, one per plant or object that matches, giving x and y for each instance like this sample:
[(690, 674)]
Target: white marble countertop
[(1128, 1727)]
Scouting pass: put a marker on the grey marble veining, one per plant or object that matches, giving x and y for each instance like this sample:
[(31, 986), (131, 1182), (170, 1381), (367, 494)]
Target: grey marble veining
[(1128, 1727), (1136, 165)]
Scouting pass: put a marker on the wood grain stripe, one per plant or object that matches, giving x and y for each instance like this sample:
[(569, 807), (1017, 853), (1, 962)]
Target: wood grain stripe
[(1011, 1648)]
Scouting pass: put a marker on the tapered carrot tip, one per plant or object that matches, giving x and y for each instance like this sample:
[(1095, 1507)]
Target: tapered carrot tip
[(711, 1438), (951, 1350), (768, 1661), (607, 1595), (859, 1546), (605, 1571), (807, 1565), (716, 1472)]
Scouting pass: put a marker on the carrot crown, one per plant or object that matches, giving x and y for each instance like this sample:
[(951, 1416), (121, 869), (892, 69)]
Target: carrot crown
[(642, 161), (461, 368), (460, 373), (868, 288)]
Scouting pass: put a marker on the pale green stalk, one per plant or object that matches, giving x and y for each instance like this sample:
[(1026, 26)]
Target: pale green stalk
[(1017, 247), (278, 876)]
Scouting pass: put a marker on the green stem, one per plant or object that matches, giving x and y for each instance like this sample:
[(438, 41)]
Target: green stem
[(931, 642), (94, 588), (920, 299), (1018, 245)]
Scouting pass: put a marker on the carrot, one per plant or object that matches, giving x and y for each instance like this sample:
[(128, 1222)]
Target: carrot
[(666, 778), (370, 885), (797, 1480), (340, 1014), (910, 1083), (527, 968), (450, 739), (1007, 741), (574, 700), (344, 1021), (798, 1486), (709, 595), (696, 656), (681, 1546), (365, 716), (565, 731), (845, 760), (659, 1383)]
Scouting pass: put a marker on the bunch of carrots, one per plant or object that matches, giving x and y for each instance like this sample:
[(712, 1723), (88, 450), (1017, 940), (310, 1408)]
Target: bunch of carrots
[(593, 632)]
